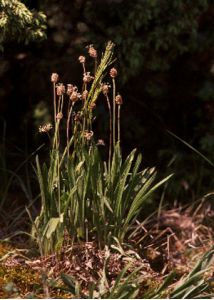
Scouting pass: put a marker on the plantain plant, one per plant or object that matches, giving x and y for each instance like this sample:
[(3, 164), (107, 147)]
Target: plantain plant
[(82, 195)]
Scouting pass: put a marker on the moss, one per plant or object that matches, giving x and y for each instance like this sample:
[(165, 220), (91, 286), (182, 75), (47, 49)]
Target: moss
[(4, 249), (23, 278)]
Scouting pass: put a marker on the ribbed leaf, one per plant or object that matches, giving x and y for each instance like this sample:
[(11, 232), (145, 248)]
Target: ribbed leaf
[(165, 284), (116, 165), (194, 283), (143, 195), (41, 183), (134, 185), (121, 184), (118, 279), (51, 227), (134, 180), (196, 290)]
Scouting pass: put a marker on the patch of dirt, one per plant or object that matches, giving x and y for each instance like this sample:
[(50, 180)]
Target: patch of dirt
[(173, 241)]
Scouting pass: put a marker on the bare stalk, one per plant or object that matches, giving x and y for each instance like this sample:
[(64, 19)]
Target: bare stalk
[(114, 112), (110, 130), (58, 187), (118, 123), (54, 100), (60, 108), (62, 102), (57, 121), (86, 236), (68, 127), (84, 70), (58, 118)]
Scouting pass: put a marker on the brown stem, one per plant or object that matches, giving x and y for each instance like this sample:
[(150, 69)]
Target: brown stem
[(68, 126), (54, 101), (118, 123), (110, 131), (58, 121), (114, 112), (84, 70)]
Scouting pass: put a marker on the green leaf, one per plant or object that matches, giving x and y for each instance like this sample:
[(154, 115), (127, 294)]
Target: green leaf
[(69, 282), (194, 283), (119, 190), (51, 227), (143, 195)]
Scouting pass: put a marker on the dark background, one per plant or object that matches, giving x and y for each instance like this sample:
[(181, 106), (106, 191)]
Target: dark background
[(165, 52)]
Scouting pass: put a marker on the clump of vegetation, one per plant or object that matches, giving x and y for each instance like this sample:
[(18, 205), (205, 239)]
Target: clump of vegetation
[(91, 239), (83, 195), (129, 285)]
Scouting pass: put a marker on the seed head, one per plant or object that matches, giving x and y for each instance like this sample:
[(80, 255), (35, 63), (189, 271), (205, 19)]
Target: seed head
[(113, 73), (59, 116), (54, 77), (82, 59), (45, 128), (75, 96), (92, 51), (60, 89), (92, 106), (84, 95), (100, 142), (70, 89), (105, 88), (88, 134), (87, 77), (77, 117), (119, 99)]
